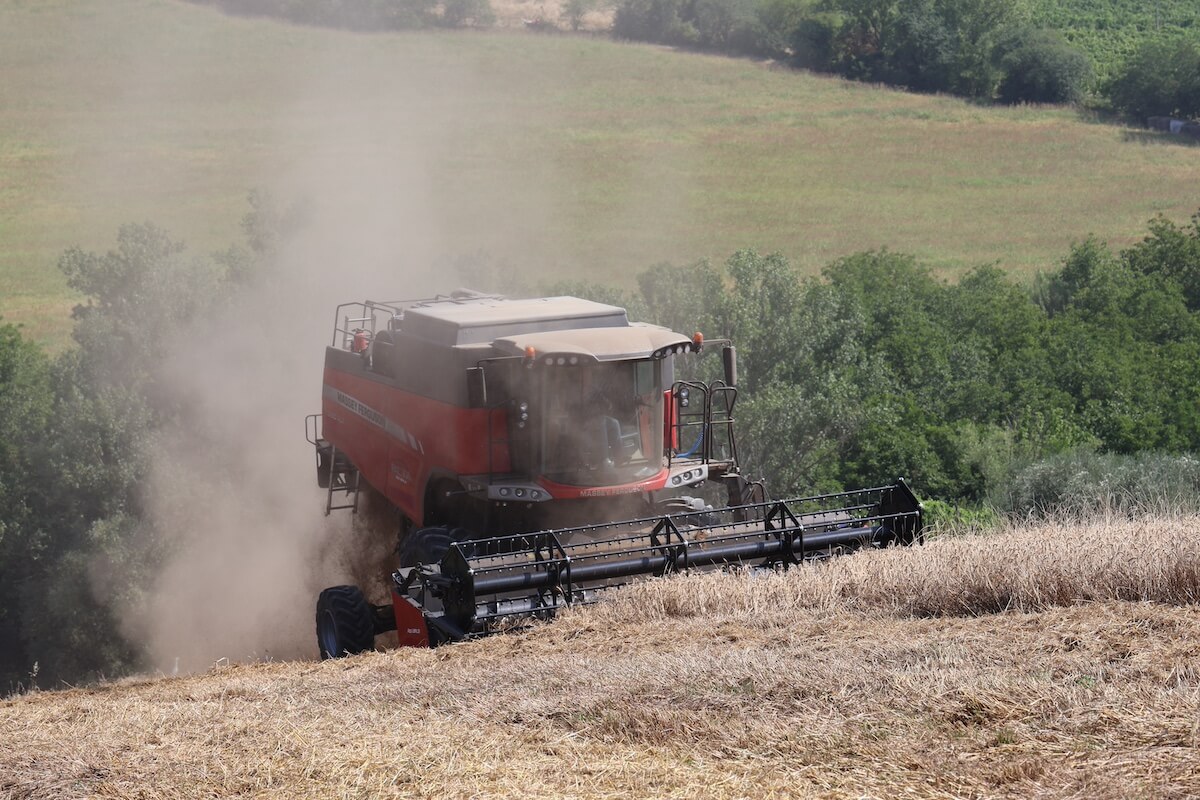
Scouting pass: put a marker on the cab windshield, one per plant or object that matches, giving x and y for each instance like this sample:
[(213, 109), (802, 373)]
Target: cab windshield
[(602, 423)]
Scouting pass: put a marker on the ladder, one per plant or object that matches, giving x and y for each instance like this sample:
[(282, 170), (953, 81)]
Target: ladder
[(335, 472), (343, 478)]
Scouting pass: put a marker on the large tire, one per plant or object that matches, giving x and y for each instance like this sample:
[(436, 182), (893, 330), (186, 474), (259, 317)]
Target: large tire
[(345, 622), (427, 545)]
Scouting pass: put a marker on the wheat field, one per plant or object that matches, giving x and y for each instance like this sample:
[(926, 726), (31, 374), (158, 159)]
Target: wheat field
[(1047, 660)]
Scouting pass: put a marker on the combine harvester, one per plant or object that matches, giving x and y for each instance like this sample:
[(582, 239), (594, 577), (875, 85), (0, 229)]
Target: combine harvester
[(539, 451)]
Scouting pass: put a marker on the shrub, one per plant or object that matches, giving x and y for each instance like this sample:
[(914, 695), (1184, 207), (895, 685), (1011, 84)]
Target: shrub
[(1040, 67), (575, 10), (653, 21), (1162, 78), (776, 20), (1082, 481), (359, 15), (942, 518), (814, 41), (467, 13), (727, 25)]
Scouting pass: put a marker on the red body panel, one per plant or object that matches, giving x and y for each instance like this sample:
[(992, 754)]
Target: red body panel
[(398, 439), (411, 630)]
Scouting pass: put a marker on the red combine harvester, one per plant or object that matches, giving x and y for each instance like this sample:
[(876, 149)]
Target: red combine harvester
[(541, 450)]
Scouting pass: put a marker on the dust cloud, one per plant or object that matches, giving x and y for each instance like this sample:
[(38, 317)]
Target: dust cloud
[(410, 152), (232, 495)]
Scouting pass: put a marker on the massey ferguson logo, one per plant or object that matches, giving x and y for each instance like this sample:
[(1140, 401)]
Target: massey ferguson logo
[(362, 409), (611, 491)]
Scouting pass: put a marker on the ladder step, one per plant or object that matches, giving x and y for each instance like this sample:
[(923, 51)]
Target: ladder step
[(344, 478)]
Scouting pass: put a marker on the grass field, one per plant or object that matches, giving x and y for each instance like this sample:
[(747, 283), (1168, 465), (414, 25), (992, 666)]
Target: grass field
[(1053, 661), (555, 155)]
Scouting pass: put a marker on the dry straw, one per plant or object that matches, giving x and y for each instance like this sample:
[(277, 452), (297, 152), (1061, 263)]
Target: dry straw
[(1054, 660), (1028, 567)]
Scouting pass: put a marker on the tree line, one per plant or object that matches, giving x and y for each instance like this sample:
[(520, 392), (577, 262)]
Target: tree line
[(876, 368), (1007, 51), (988, 50), (365, 15), (988, 392)]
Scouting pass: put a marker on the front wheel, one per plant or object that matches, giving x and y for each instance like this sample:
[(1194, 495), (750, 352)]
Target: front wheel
[(345, 622), (428, 545)]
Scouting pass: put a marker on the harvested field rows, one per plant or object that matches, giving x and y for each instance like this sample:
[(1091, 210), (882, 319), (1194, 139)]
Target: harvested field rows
[(882, 675)]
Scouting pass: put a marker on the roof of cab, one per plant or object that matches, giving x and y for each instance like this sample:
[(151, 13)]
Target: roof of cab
[(474, 321), (582, 346)]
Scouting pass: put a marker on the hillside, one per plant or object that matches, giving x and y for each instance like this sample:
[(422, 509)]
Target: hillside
[(891, 673), (551, 155)]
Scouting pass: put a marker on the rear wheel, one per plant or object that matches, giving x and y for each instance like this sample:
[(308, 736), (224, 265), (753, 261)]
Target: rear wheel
[(345, 622)]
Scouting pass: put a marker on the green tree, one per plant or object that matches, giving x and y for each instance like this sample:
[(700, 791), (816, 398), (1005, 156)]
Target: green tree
[(778, 21), (730, 26), (1040, 67), (997, 358), (73, 546), (654, 21), (687, 298), (576, 10), (137, 296), (930, 45), (1173, 252), (26, 402), (900, 303), (1120, 343), (1161, 78), (794, 434), (923, 52), (979, 26), (467, 13)]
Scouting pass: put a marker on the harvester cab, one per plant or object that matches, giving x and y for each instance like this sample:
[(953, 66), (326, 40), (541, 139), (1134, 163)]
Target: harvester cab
[(540, 450), (500, 416)]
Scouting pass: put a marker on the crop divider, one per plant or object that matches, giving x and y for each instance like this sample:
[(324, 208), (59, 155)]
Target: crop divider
[(666, 539)]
